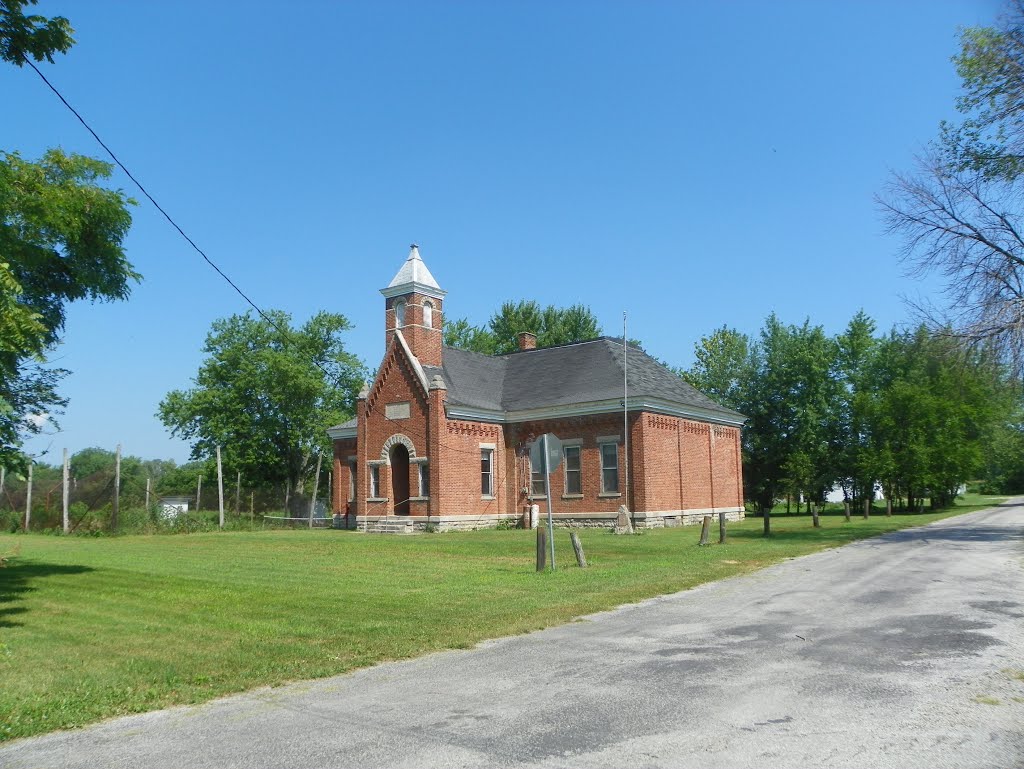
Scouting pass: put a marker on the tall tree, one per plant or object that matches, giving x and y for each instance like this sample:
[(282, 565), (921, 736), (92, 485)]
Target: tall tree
[(552, 325), (723, 367), (959, 213), (61, 235), (855, 462), (267, 392)]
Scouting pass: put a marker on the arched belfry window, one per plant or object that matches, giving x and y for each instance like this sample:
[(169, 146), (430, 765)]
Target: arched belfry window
[(399, 314), (428, 314)]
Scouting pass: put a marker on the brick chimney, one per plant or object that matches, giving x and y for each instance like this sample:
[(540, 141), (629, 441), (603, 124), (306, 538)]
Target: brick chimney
[(527, 340)]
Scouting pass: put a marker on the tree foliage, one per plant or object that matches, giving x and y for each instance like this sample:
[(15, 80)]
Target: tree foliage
[(552, 325), (959, 212), (61, 235), (23, 36), (910, 411), (266, 393)]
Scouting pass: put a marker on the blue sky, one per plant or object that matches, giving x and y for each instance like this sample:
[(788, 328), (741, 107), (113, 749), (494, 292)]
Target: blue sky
[(692, 164)]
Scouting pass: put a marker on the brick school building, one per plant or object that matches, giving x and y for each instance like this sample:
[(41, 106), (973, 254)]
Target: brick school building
[(442, 435)]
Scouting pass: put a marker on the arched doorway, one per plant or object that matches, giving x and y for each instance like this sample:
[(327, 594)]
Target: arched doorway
[(400, 478)]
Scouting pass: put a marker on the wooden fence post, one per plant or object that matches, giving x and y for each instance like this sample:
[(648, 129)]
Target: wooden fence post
[(542, 548), (577, 548), (721, 529), (199, 492), (116, 508), (148, 484), (67, 470), (220, 487), (28, 494), (705, 530), (316, 485), (238, 494)]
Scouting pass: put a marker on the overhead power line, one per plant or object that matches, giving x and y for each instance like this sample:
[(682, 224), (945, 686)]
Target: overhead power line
[(173, 223), (145, 192)]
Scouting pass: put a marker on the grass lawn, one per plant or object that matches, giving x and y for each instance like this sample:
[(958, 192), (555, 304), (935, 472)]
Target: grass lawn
[(98, 627)]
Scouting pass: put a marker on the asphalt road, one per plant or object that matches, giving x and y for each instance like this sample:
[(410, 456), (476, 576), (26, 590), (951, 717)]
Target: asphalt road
[(897, 651)]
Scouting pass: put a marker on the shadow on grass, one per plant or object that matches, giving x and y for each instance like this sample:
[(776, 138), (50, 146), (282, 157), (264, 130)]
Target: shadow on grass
[(16, 579)]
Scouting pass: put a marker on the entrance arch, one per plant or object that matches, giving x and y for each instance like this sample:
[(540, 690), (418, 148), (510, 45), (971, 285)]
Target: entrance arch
[(399, 460)]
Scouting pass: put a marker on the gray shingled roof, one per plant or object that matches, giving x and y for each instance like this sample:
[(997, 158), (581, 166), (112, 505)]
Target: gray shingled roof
[(583, 372)]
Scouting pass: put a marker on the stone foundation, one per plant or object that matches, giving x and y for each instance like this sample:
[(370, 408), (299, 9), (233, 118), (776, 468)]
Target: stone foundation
[(604, 520)]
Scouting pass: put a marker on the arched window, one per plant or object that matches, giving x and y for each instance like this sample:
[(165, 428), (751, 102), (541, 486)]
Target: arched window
[(428, 314), (399, 314)]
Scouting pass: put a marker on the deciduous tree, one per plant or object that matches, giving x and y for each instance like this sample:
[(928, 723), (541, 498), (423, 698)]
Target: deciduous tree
[(267, 392)]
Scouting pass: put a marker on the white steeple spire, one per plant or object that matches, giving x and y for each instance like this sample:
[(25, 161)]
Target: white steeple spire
[(414, 276)]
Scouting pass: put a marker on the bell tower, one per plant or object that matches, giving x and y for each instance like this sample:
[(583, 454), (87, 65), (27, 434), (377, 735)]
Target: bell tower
[(413, 304)]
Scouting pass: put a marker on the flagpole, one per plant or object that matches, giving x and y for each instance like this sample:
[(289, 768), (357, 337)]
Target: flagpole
[(625, 412)]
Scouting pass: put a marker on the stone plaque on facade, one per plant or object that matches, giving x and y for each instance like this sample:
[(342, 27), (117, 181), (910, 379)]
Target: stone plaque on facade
[(397, 410)]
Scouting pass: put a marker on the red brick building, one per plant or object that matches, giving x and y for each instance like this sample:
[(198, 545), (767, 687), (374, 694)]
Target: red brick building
[(442, 436)]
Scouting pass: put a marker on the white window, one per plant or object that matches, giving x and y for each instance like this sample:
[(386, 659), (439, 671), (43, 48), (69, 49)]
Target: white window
[(487, 472), (573, 470), (424, 480), (375, 481), (399, 314), (537, 482), (609, 468), (428, 314)]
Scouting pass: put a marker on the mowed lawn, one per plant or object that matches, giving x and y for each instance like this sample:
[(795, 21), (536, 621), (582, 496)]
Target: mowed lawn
[(97, 627)]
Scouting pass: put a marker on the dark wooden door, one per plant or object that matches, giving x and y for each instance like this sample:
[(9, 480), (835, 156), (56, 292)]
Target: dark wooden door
[(400, 479)]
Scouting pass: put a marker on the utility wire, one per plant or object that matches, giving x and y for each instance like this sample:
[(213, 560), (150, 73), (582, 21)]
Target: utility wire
[(171, 221), (167, 216), (145, 192)]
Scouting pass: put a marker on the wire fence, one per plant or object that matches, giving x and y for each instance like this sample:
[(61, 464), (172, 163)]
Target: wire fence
[(147, 501)]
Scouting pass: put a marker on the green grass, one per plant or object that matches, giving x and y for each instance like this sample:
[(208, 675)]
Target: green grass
[(98, 627)]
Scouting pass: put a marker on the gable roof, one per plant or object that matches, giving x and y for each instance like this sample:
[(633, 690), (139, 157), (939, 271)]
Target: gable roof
[(572, 379)]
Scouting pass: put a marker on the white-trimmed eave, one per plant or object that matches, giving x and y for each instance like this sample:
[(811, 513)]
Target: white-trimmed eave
[(413, 287), (420, 373), (340, 433), (640, 403)]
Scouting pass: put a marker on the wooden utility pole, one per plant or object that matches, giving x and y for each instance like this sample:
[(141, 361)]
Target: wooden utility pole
[(238, 494), (199, 492), (117, 488), (28, 494), (3, 477), (149, 482), (220, 488), (67, 475), (316, 485), (287, 496), (252, 506)]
